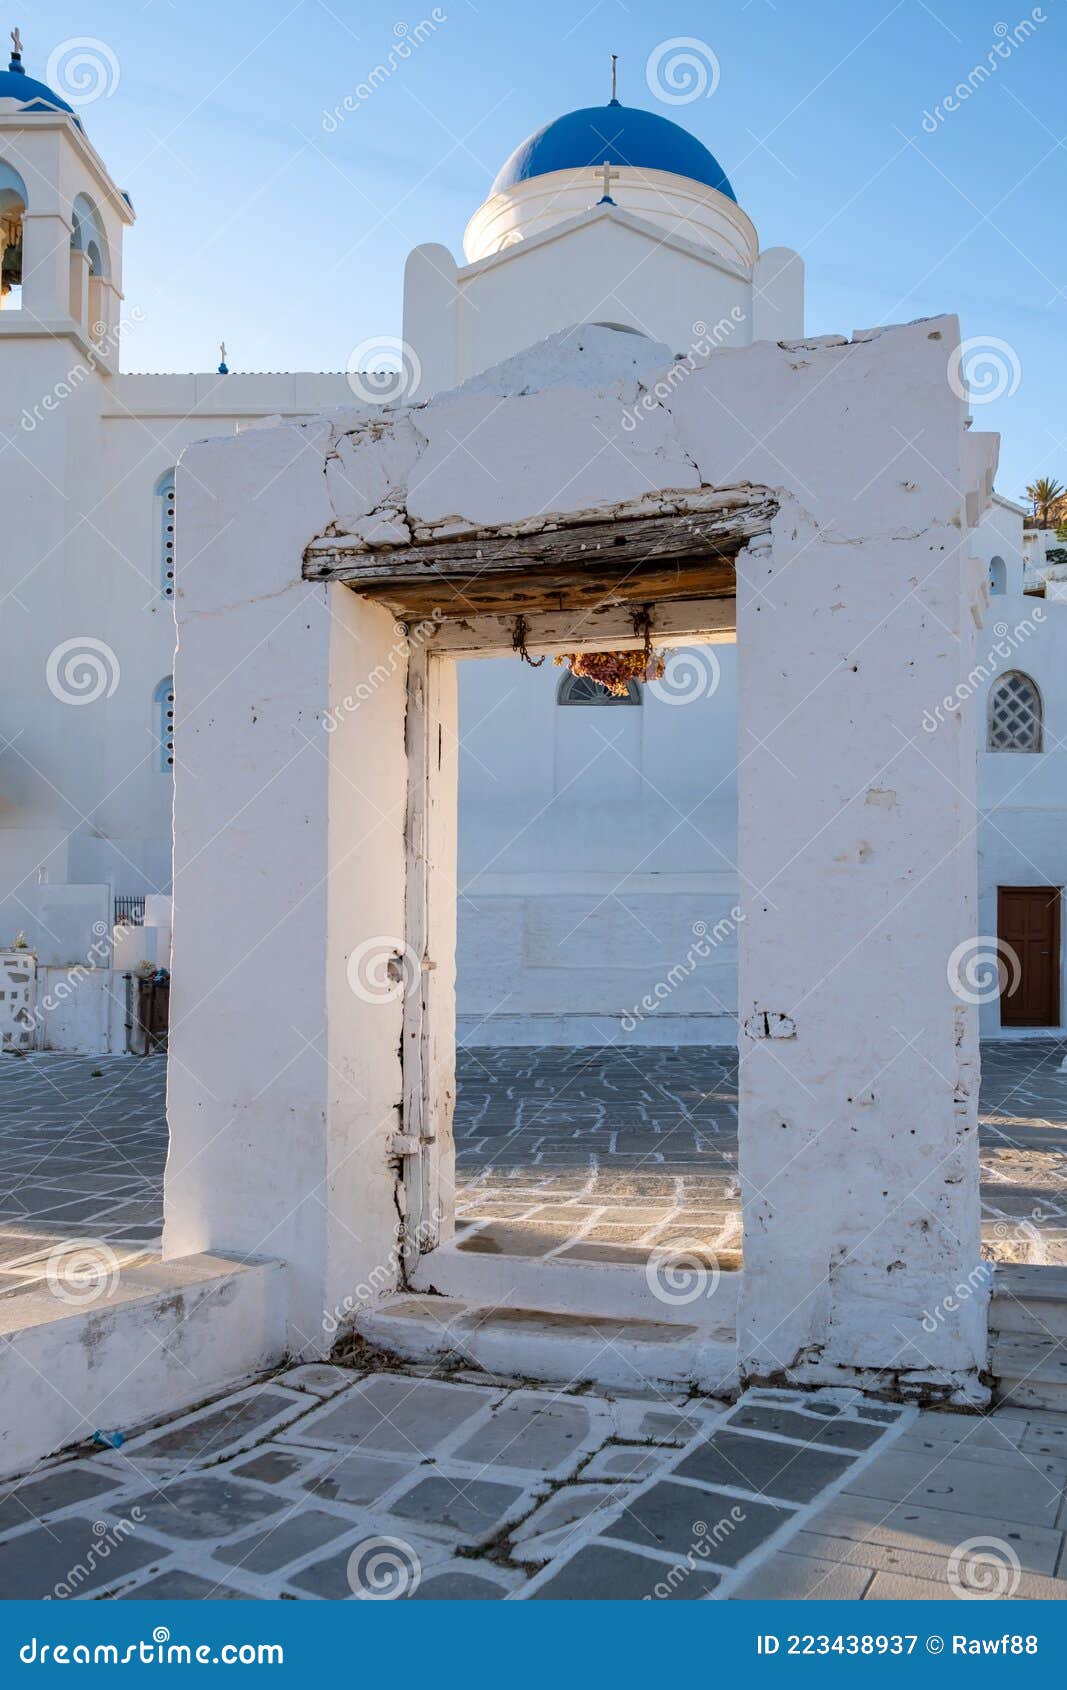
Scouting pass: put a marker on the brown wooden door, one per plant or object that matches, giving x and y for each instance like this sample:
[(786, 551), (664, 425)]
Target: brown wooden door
[(1028, 921)]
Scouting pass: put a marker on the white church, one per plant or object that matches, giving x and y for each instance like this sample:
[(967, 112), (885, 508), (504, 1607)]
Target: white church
[(598, 878)]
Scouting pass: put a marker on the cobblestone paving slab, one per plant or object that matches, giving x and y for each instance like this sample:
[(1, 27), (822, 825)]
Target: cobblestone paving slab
[(404, 1485), (560, 1149), (82, 1146), (574, 1150)]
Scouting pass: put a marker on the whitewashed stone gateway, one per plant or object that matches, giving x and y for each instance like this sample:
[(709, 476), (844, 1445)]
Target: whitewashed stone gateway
[(310, 1097)]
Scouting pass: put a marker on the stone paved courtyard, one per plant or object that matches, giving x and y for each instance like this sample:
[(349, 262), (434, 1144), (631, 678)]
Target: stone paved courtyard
[(627, 1147), (324, 1483), (332, 1482)]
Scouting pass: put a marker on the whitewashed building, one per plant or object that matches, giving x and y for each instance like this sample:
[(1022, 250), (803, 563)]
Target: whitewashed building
[(598, 857)]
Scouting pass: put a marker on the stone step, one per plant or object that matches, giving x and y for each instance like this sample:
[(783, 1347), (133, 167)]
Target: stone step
[(131, 1341), (508, 1264), (1030, 1372), (556, 1347), (1029, 1301)]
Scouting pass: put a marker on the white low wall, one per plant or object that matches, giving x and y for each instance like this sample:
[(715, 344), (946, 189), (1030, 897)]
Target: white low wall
[(160, 1337)]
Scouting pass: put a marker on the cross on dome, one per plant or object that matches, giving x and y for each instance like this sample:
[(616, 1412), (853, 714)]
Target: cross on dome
[(26, 90), (607, 176)]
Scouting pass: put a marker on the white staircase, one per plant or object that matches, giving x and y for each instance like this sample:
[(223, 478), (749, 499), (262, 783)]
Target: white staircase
[(610, 1318), (1028, 1336)]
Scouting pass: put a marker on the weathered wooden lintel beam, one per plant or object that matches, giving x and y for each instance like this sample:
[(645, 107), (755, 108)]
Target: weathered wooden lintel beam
[(578, 545), (628, 583), (687, 622)]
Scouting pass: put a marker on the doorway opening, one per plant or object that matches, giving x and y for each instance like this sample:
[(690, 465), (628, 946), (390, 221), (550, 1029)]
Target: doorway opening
[(580, 859), (596, 991)]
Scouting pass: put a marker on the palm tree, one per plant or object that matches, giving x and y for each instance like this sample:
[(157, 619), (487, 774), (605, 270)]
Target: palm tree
[(1045, 494)]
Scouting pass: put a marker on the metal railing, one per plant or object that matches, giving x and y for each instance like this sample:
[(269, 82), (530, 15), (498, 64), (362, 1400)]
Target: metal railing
[(129, 911)]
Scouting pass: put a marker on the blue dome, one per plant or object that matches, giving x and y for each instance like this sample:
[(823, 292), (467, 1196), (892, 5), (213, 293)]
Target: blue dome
[(613, 134), (35, 96)]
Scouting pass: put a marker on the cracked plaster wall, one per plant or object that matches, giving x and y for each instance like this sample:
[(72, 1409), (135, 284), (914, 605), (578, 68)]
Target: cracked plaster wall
[(852, 615)]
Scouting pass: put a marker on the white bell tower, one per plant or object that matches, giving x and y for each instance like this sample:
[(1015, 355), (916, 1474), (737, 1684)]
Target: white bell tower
[(61, 223)]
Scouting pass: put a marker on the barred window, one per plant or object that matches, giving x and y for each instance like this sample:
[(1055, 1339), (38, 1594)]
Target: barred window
[(1014, 714)]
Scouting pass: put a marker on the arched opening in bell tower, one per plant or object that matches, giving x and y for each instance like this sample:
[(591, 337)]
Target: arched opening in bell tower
[(13, 204)]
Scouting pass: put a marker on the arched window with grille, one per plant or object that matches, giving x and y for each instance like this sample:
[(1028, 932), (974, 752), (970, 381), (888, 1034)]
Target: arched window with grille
[(579, 689), (165, 533), (163, 698), (1014, 713), (998, 576)]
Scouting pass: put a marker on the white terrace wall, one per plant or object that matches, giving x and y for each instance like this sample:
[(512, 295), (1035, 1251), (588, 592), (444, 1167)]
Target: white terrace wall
[(859, 1060)]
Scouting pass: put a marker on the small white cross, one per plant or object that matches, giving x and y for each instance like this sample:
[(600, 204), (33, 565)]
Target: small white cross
[(16, 42), (608, 176)]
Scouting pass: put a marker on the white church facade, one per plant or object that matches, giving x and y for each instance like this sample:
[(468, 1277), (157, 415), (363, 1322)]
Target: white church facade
[(599, 890)]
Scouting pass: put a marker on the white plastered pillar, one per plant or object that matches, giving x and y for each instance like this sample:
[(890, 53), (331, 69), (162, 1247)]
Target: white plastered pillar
[(80, 284), (430, 284), (290, 793), (46, 269), (859, 1061)]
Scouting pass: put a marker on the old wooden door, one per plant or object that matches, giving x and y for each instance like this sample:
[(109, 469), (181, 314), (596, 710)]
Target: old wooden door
[(1028, 923), (428, 1050)]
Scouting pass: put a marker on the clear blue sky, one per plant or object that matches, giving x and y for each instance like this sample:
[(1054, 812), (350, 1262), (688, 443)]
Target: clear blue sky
[(258, 224)]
